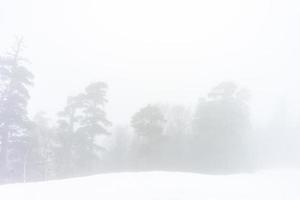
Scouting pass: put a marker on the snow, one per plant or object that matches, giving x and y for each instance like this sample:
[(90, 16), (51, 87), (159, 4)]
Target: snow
[(162, 186)]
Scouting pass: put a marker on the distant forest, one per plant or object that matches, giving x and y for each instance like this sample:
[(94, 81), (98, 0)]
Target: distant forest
[(214, 137)]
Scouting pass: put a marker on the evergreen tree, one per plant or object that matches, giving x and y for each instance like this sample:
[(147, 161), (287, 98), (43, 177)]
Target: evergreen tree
[(148, 121), (14, 122), (82, 121), (220, 125), (148, 124)]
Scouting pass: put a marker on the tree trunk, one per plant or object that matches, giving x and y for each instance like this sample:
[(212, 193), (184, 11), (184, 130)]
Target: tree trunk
[(3, 157)]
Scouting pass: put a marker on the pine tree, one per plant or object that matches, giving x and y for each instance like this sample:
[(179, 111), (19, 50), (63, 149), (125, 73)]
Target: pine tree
[(14, 122), (148, 124), (220, 124), (82, 121)]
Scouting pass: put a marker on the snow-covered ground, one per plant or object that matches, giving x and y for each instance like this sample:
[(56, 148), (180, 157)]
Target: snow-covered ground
[(266, 185)]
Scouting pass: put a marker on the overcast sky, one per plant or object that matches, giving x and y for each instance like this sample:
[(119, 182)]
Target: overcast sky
[(156, 51)]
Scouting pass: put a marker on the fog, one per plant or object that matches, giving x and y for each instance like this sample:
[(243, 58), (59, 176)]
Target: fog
[(165, 54)]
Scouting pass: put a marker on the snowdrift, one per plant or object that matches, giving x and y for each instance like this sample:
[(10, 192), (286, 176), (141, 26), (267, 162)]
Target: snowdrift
[(265, 185)]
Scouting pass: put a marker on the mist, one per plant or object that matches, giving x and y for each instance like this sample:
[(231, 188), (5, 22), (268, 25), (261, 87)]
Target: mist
[(199, 86)]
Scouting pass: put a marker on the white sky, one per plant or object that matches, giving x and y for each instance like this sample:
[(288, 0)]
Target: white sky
[(156, 51)]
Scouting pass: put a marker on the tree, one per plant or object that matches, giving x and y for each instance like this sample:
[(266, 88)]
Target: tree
[(14, 122), (81, 122), (118, 156), (148, 124), (64, 137), (177, 131), (39, 162), (220, 124), (148, 121)]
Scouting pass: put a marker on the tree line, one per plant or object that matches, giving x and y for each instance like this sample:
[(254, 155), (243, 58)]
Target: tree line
[(212, 138)]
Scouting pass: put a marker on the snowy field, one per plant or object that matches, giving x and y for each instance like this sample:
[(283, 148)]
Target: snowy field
[(267, 185)]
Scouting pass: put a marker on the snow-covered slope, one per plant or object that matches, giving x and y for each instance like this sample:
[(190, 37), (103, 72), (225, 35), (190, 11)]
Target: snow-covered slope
[(268, 185)]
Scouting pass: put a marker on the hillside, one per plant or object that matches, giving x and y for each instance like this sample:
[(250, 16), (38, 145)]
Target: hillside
[(162, 186)]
